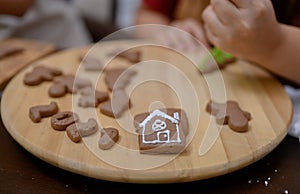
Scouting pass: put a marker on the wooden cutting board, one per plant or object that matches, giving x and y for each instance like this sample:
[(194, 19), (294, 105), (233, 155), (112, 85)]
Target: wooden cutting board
[(165, 79), (31, 51)]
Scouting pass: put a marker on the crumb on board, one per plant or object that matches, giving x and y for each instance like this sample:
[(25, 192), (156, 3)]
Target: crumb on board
[(266, 183)]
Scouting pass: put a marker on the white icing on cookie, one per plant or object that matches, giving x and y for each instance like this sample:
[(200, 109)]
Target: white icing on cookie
[(163, 132)]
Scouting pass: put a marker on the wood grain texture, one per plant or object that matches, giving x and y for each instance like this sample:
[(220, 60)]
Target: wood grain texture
[(165, 79), (32, 50)]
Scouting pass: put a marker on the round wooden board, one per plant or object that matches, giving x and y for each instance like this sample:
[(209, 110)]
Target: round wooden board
[(212, 150)]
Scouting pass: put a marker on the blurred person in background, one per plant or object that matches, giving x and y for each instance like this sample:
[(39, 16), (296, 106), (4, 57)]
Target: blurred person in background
[(251, 30), (55, 21), (261, 31)]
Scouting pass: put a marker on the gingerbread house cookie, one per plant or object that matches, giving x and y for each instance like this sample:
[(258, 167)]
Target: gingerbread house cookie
[(161, 133)]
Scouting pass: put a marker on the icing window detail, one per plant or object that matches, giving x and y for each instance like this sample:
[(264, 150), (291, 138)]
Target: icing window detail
[(158, 125), (163, 136)]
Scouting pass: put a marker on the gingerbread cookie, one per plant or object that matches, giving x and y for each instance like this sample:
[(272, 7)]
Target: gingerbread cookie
[(108, 137), (91, 63), (73, 134), (36, 113), (117, 106), (85, 129), (78, 130), (123, 76), (67, 84), (40, 74), (132, 56), (62, 120), (80, 84), (92, 99), (62, 85), (229, 113), (184, 125), (161, 133)]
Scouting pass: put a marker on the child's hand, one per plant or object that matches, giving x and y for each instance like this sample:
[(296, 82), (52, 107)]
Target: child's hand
[(245, 28), (180, 40), (192, 27)]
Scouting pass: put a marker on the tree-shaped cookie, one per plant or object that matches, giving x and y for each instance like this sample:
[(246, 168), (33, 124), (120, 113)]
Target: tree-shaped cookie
[(230, 113)]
